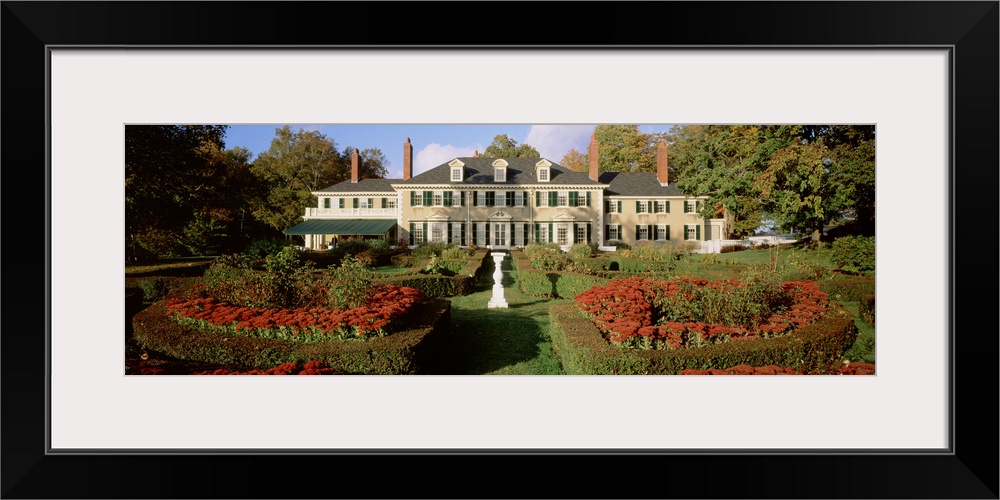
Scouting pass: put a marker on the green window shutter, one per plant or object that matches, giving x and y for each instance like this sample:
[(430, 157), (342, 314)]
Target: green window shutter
[(656, 234), (475, 198), (427, 237), (487, 232), (667, 205), (383, 202), (574, 233), (588, 198), (475, 240), (462, 194), (449, 233), (697, 233), (649, 206), (607, 231), (620, 235), (371, 202), (413, 227), (538, 232), (538, 198), (326, 202), (413, 198), (428, 198), (553, 198), (668, 231), (637, 206), (462, 228), (355, 202), (607, 206), (525, 226), (446, 199), (527, 200), (510, 198), (636, 233), (619, 206), (550, 232), (491, 200), (649, 230), (340, 202), (588, 231), (572, 198)]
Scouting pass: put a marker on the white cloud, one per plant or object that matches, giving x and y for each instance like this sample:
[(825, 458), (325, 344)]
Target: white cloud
[(553, 141), (435, 154)]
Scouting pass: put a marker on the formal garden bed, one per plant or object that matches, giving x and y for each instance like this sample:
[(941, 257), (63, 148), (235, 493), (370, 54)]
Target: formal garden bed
[(643, 326)]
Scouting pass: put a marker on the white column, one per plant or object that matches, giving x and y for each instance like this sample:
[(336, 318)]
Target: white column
[(498, 300)]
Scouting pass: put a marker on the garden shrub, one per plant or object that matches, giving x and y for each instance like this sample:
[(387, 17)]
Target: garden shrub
[(532, 248), (582, 251), (432, 285), (815, 348), (153, 289), (396, 354), (619, 245), (848, 288), (732, 248), (638, 265), (258, 249), (652, 251), (550, 284), (351, 283), (379, 245), (428, 249), (352, 247), (548, 259), (404, 261), (456, 253), (854, 254), (866, 307)]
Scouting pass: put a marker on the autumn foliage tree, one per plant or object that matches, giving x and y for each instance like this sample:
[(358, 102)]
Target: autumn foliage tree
[(505, 147)]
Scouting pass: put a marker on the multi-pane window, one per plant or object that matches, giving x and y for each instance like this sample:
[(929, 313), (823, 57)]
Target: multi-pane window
[(562, 235), (581, 233), (500, 198), (519, 199), (482, 199), (581, 199), (437, 233), (518, 235), (481, 234), (661, 232), (418, 233), (642, 207), (500, 175), (418, 199), (690, 232), (543, 174), (643, 233), (456, 174), (438, 199), (326, 202), (543, 235), (562, 198), (456, 199), (690, 207), (500, 234), (456, 233), (613, 231), (613, 207), (390, 203), (365, 203), (661, 207)]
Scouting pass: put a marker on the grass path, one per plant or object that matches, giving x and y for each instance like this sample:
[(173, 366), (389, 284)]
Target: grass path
[(512, 341)]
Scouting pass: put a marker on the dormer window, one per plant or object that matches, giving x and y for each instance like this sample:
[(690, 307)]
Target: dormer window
[(500, 171), (456, 170), (542, 170)]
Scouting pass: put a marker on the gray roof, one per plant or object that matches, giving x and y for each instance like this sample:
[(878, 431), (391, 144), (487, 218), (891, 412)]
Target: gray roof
[(637, 184), (362, 186), (479, 171)]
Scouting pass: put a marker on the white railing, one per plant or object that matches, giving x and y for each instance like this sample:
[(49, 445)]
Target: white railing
[(350, 212)]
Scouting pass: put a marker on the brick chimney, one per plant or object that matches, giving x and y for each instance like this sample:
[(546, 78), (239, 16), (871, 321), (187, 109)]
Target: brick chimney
[(661, 163), (592, 152), (475, 154), (354, 165), (407, 160)]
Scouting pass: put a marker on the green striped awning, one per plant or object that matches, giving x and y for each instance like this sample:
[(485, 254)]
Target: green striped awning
[(346, 227)]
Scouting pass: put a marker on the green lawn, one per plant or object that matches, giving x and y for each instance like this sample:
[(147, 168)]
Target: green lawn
[(512, 341), (390, 269)]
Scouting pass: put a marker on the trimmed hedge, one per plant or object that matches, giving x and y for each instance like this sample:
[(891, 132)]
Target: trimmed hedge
[(584, 351), (866, 306), (848, 289), (434, 285), (395, 354), (157, 287), (553, 284)]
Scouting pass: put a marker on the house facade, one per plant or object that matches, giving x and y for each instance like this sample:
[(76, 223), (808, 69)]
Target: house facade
[(504, 203)]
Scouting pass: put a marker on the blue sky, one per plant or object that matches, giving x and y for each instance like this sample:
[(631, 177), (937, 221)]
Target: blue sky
[(432, 144)]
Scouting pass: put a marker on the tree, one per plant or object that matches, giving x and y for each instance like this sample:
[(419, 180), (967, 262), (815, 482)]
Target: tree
[(169, 177), (575, 161), (624, 148), (372, 163), (505, 147), (296, 164)]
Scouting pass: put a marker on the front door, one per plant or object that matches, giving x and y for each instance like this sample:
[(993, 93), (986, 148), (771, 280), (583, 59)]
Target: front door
[(499, 235)]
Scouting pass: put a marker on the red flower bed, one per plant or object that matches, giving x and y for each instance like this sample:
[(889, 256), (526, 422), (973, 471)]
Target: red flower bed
[(369, 320), (624, 311), (292, 368)]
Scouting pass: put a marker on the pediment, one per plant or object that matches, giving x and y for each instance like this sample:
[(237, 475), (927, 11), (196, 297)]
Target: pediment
[(500, 162), (438, 216), (456, 163), (500, 214), (564, 217)]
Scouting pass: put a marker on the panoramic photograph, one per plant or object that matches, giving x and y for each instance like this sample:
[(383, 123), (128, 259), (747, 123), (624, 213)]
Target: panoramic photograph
[(555, 249)]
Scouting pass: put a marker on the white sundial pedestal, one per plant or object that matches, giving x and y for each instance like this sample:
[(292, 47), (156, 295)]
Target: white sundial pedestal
[(498, 301)]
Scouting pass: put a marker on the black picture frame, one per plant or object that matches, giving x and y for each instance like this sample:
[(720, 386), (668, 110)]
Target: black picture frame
[(969, 28)]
